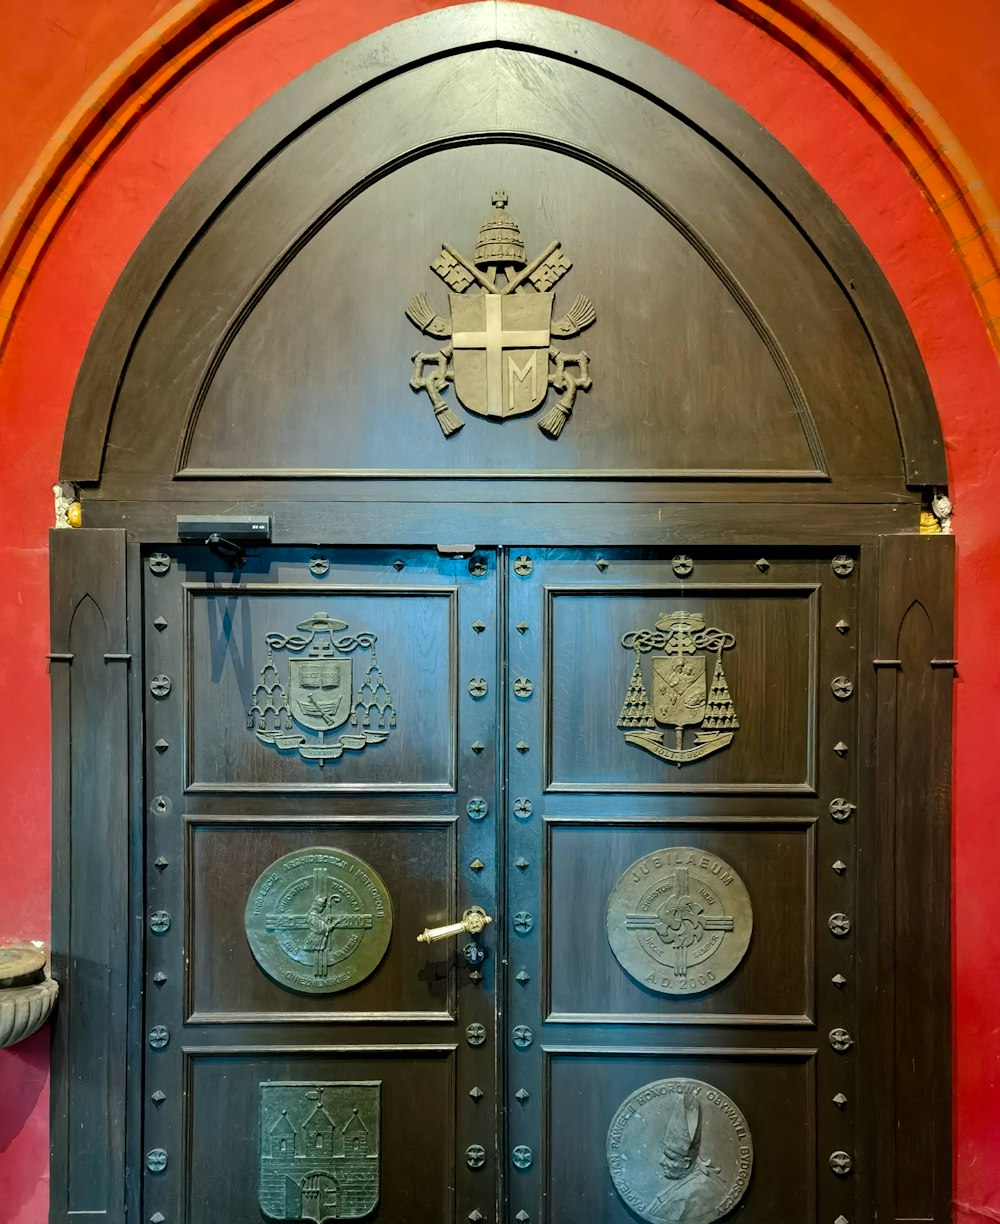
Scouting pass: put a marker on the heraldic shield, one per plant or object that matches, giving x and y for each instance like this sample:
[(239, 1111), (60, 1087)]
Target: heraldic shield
[(501, 351), (682, 694), (319, 694), (319, 1150)]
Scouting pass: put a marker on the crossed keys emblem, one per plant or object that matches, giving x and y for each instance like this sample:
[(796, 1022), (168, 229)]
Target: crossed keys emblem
[(500, 357)]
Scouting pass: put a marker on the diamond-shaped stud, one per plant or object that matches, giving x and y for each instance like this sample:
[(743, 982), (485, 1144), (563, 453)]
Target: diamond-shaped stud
[(160, 863), (840, 1100), (601, 564), (476, 1094), (161, 745), (477, 864), (840, 867), (157, 1218), (398, 564), (478, 747), (476, 1216), (522, 977), (522, 1217), (478, 626), (522, 626), (839, 981), (158, 1097), (521, 863), (840, 748), (842, 626), (475, 976), (521, 746), (841, 1220), (160, 623), (522, 1094), (159, 977), (763, 564)]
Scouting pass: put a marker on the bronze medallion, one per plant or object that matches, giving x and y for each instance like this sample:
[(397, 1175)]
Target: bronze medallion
[(679, 920), (679, 1150), (318, 920)]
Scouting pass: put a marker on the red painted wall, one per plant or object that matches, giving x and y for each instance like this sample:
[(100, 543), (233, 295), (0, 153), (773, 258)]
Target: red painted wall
[(836, 144)]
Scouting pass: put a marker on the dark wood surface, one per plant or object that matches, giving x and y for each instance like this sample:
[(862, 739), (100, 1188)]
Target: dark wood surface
[(757, 405)]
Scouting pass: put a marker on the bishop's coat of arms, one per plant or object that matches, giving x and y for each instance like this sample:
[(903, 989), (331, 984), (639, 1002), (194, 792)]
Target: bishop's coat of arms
[(683, 696), (305, 710), (500, 356)]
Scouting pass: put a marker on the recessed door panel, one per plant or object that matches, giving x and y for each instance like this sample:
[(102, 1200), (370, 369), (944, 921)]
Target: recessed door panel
[(697, 925), (253, 881)]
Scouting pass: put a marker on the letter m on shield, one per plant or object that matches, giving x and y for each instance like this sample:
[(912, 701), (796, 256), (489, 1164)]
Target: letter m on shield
[(501, 351)]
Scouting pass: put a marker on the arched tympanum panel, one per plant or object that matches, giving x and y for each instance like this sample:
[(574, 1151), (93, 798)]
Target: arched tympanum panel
[(741, 334)]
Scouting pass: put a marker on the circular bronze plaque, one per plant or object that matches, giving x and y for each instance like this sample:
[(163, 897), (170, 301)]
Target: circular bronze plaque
[(318, 920), (680, 1150), (679, 920)]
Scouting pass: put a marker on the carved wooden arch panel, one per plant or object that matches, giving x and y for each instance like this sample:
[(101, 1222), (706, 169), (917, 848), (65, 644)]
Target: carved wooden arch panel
[(742, 334)]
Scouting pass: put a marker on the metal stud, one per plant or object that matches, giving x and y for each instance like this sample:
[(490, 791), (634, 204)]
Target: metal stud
[(158, 1037), (478, 686), (523, 565), (159, 563), (523, 687), (840, 748), (841, 1219), (842, 626), (841, 1040), (841, 1163), (522, 1157), (521, 863), (156, 1160), (398, 564), (478, 626), (840, 809), (158, 1097), (763, 564), (159, 977), (522, 1217), (159, 922), (839, 924), (523, 807), (475, 1156), (157, 1218), (601, 564), (475, 976), (476, 1093), (842, 687), (476, 1216), (523, 1036), (840, 1100), (521, 746), (839, 981), (840, 867), (319, 565), (523, 978), (161, 863), (522, 626), (161, 745), (478, 747), (842, 565), (475, 1034), (160, 623), (523, 922), (477, 807), (522, 1094), (477, 864), (682, 565), (477, 566)]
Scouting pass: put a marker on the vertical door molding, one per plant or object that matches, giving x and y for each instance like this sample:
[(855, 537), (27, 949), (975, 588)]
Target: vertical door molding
[(914, 673), (90, 879)]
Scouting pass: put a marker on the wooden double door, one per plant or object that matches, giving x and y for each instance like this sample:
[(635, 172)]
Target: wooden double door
[(641, 765)]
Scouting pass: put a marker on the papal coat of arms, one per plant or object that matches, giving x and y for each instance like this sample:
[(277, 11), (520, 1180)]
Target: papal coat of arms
[(500, 346), (683, 696), (319, 1150), (305, 710)]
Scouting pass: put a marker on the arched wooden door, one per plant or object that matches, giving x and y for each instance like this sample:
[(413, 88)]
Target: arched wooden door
[(502, 470)]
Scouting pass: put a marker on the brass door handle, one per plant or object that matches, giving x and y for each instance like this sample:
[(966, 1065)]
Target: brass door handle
[(474, 920)]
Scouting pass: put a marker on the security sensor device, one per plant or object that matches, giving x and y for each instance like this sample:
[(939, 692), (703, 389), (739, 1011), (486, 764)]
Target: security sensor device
[(240, 528)]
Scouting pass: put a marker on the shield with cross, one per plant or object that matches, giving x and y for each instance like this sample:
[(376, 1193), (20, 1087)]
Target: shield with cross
[(501, 351)]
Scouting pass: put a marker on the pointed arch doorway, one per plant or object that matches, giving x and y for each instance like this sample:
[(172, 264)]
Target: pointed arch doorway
[(595, 615)]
